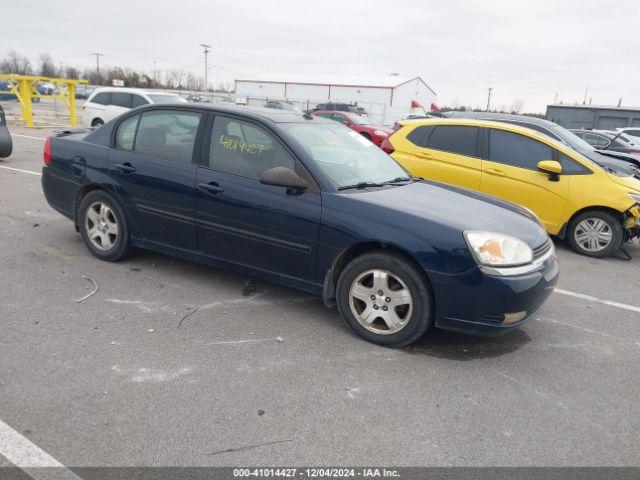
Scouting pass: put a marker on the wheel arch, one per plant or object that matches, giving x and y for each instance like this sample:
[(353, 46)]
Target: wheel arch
[(617, 214), (80, 194), (342, 260)]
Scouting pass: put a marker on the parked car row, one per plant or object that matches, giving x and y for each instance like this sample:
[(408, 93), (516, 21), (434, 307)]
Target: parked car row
[(301, 200)]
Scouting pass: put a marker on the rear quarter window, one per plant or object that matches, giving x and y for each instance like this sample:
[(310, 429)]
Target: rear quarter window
[(418, 136), (101, 98)]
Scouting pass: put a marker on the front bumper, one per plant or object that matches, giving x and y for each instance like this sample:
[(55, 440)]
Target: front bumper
[(478, 303)]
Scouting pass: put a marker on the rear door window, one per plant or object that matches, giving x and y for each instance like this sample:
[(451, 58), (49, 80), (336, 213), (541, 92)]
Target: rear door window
[(517, 150), (167, 134), (121, 99), (462, 140)]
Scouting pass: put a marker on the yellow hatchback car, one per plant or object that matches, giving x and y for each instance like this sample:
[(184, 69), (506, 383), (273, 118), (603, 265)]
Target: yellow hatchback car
[(593, 207)]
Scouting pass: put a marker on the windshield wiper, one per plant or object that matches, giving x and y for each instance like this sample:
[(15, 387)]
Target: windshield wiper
[(400, 180), (362, 185)]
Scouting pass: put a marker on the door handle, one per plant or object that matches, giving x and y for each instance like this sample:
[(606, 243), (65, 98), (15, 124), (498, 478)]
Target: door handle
[(496, 172), (212, 187), (126, 167)]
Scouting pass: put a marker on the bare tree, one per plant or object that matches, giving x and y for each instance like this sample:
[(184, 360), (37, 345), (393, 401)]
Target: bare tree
[(516, 106), (72, 72), (47, 68), (16, 63)]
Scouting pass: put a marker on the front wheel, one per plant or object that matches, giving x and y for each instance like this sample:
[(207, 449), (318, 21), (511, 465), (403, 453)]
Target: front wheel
[(103, 226), (385, 299), (595, 234)]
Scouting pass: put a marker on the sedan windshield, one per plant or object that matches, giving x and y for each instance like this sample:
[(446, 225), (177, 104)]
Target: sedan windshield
[(162, 98), (346, 157)]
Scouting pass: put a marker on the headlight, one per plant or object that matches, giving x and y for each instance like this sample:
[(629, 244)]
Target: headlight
[(497, 249), (380, 133), (635, 197)]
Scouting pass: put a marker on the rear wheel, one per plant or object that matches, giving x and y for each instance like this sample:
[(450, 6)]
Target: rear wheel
[(366, 135), (595, 234), (103, 226), (385, 299), (97, 122)]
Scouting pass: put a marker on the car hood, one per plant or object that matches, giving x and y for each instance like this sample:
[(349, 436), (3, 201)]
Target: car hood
[(633, 184), (453, 207)]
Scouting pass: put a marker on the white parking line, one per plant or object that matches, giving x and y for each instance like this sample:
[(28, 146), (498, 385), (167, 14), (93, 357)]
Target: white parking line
[(589, 298), (20, 170), (29, 457), (27, 136)]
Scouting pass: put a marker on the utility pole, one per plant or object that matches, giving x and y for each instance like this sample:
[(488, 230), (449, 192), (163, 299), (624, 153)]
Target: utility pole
[(98, 55), (206, 68), (155, 75), (489, 98)]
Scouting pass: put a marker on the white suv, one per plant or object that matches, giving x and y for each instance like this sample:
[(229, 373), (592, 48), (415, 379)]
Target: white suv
[(106, 103)]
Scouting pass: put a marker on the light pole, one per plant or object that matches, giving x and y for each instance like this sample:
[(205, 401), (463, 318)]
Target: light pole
[(206, 69), (98, 55), (489, 98)]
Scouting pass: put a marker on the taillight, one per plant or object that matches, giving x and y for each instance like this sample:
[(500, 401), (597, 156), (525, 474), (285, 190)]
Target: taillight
[(47, 151), (386, 146)]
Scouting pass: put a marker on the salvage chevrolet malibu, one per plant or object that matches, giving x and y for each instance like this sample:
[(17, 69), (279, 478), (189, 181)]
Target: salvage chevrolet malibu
[(308, 203)]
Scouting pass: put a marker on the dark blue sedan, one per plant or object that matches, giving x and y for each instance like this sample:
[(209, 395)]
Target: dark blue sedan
[(306, 202)]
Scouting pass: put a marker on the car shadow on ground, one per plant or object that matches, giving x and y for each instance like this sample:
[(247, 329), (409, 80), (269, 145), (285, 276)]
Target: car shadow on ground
[(457, 346), (629, 251)]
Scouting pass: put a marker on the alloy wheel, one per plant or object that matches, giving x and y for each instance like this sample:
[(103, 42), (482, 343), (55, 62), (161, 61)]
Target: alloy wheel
[(101, 226), (380, 301)]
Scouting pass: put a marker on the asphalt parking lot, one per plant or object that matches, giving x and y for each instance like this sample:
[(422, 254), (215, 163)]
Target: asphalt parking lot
[(172, 363)]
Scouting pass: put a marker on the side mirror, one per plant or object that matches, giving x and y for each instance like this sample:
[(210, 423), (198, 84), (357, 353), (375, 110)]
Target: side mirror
[(283, 177), (6, 144), (550, 166)]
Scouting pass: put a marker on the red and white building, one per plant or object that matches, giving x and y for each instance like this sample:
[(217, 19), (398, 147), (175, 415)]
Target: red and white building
[(385, 98)]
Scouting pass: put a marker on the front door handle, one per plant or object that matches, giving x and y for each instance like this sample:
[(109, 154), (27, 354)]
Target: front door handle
[(212, 187), (126, 167), (496, 172)]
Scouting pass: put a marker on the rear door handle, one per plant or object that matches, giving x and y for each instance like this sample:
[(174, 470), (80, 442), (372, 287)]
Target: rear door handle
[(496, 172), (126, 167), (212, 187)]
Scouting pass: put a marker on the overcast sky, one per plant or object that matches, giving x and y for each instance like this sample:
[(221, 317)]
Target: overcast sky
[(529, 49)]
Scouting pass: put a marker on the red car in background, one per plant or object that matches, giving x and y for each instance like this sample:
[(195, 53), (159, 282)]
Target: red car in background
[(376, 133)]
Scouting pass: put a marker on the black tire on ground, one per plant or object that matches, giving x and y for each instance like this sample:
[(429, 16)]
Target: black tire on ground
[(97, 122), (421, 316), (595, 216), (366, 135), (121, 242)]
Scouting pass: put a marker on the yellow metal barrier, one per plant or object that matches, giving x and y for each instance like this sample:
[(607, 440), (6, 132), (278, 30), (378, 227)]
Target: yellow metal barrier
[(24, 87)]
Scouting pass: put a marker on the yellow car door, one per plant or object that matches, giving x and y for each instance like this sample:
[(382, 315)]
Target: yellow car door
[(510, 172), (444, 153)]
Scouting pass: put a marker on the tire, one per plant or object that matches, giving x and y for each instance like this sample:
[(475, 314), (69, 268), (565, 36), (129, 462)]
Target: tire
[(595, 234), (356, 287), (103, 226), (97, 122), (366, 135)]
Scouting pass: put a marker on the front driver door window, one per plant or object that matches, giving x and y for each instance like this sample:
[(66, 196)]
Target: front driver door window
[(510, 172), (246, 222)]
